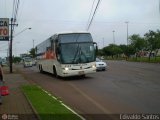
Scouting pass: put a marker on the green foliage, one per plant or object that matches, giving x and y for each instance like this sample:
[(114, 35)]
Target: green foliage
[(116, 50), (100, 52), (127, 49), (130, 50), (153, 41), (137, 42), (150, 42), (145, 59), (112, 50), (16, 59), (47, 107), (32, 52)]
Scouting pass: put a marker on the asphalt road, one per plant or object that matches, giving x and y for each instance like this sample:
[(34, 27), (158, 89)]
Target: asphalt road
[(126, 87)]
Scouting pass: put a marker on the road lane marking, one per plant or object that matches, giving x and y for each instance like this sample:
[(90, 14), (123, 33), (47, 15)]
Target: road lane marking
[(73, 111), (91, 100)]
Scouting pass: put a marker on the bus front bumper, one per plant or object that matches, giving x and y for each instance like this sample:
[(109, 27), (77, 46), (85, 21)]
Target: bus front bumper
[(67, 73)]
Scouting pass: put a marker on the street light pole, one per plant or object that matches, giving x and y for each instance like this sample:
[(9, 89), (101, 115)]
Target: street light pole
[(10, 46), (127, 32), (22, 31), (159, 6), (103, 42), (113, 37), (33, 44)]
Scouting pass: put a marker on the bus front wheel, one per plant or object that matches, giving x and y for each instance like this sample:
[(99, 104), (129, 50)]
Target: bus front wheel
[(40, 69), (55, 72)]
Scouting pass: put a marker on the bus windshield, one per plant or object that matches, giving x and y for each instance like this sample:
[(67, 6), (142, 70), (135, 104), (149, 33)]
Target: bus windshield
[(75, 37), (74, 53)]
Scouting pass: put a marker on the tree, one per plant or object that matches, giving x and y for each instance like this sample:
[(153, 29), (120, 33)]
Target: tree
[(100, 52), (124, 49), (157, 37), (16, 59), (112, 50), (137, 42), (32, 52), (130, 50), (153, 41)]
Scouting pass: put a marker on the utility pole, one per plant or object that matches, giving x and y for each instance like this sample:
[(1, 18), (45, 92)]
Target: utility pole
[(10, 45)]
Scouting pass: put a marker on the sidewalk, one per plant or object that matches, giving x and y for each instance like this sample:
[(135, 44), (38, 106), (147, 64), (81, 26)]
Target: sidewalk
[(15, 105)]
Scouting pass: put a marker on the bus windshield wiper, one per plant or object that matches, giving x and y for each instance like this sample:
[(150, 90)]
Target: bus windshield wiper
[(77, 52), (82, 53)]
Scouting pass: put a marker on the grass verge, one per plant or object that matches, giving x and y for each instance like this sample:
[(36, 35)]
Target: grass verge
[(138, 59), (145, 59), (47, 107)]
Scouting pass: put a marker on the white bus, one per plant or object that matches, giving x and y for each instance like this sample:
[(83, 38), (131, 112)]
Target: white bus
[(67, 54)]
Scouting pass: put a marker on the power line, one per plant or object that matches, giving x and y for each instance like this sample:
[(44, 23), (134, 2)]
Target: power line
[(16, 10), (90, 13), (20, 11), (13, 9), (93, 15)]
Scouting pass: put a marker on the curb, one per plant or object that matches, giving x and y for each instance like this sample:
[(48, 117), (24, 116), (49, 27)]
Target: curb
[(35, 112)]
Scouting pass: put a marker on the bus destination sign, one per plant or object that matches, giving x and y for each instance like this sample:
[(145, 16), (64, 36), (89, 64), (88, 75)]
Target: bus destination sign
[(4, 29)]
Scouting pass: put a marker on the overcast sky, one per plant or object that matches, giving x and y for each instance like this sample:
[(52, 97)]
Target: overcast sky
[(47, 17)]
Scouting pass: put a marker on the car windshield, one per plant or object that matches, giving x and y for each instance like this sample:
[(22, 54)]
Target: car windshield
[(74, 53), (98, 60), (27, 59)]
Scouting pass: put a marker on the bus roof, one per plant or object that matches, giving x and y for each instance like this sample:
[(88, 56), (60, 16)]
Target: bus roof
[(65, 32), (69, 32)]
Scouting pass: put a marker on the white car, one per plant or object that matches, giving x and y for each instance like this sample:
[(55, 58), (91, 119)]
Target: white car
[(100, 65), (4, 62), (34, 62), (27, 62)]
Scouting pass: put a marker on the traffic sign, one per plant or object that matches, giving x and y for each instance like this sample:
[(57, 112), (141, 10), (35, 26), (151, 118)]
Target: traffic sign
[(4, 29)]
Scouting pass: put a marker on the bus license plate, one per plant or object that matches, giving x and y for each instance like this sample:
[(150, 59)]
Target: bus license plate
[(81, 72)]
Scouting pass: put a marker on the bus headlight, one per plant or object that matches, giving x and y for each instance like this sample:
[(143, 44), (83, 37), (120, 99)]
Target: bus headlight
[(93, 66), (66, 68)]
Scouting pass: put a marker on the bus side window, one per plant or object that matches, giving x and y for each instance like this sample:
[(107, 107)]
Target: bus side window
[(52, 46)]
